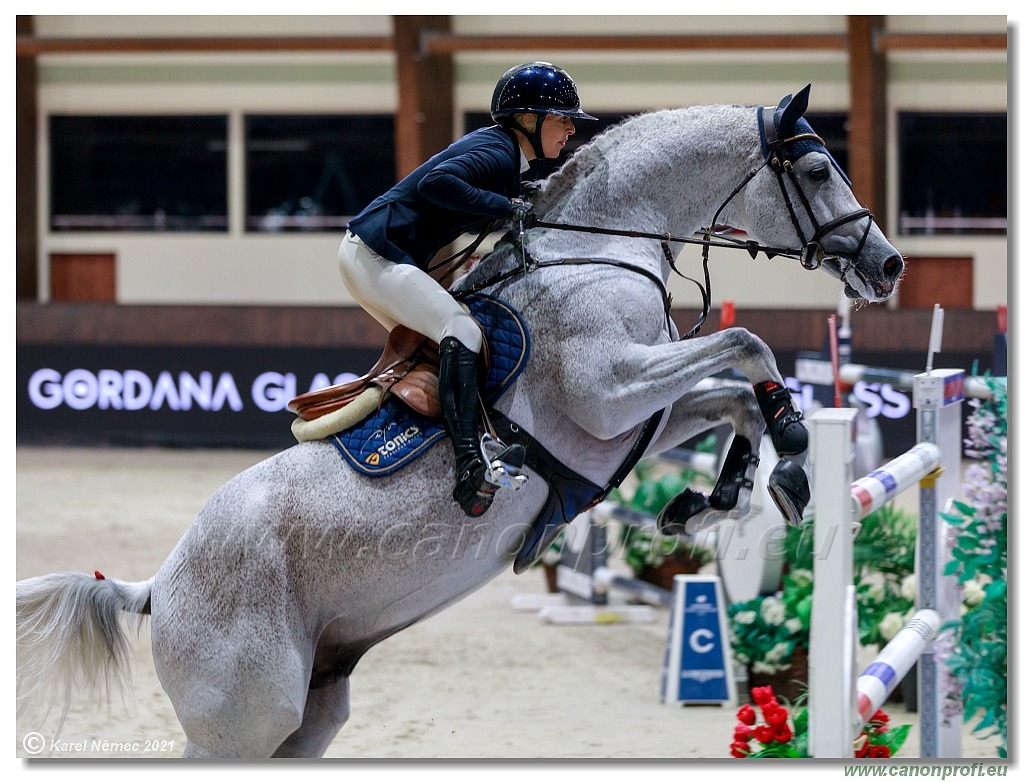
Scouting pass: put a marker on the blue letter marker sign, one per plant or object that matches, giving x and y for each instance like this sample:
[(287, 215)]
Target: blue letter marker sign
[(698, 659)]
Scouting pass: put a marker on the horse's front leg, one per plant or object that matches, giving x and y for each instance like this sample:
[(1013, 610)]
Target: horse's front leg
[(710, 404), (644, 378), (652, 377)]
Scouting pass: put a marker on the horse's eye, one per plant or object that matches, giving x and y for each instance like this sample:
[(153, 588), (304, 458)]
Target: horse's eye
[(819, 173)]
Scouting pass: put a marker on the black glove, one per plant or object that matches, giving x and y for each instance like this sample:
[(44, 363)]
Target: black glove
[(522, 212)]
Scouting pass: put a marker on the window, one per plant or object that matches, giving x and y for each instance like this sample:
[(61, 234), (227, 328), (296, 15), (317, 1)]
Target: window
[(315, 172), (138, 173), (953, 173)]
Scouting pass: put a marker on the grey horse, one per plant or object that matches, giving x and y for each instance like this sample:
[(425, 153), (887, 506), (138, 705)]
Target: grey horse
[(297, 566)]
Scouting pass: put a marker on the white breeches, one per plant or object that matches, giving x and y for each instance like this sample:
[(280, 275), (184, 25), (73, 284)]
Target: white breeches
[(396, 293)]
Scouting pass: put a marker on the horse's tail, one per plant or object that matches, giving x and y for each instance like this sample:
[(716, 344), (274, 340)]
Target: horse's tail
[(70, 636)]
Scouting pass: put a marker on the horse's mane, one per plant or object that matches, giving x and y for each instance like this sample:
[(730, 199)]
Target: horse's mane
[(591, 154), (582, 161)]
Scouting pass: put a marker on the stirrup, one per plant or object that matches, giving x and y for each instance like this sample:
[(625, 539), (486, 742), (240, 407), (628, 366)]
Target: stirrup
[(503, 464)]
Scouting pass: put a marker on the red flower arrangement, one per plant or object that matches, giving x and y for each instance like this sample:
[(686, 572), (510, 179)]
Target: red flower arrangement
[(775, 736)]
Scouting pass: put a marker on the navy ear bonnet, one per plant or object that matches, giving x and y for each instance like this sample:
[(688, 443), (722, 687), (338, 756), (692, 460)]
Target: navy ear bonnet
[(788, 122)]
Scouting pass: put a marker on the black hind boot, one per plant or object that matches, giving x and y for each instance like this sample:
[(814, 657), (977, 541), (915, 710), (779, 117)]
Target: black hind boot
[(457, 374), (785, 422)]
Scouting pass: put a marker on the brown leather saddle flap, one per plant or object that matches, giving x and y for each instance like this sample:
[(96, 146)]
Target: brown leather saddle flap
[(407, 367)]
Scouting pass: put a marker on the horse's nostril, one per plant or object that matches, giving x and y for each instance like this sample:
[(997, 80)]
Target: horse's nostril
[(893, 267)]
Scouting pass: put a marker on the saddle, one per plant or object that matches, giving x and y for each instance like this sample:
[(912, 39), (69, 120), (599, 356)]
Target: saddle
[(407, 374), (407, 369)]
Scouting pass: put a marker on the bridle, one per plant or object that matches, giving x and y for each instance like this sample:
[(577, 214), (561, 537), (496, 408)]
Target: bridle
[(779, 156)]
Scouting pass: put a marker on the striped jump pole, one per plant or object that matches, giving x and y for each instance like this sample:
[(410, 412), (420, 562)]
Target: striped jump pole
[(851, 374), (876, 683), (877, 488)]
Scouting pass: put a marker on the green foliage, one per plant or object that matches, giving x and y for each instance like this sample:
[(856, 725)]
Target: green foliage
[(642, 546), (765, 631), (979, 560), (883, 569)]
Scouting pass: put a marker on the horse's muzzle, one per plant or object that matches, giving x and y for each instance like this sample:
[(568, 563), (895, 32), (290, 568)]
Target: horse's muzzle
[(892, 270)]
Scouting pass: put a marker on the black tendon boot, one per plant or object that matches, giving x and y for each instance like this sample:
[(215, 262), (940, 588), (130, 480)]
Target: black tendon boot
[(785, 423), (457, 374)]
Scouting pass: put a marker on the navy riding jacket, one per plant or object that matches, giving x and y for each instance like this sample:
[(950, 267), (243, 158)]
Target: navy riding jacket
[(459, 190)]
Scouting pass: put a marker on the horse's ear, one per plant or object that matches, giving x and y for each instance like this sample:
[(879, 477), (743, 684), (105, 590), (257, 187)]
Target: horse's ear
[(792, 110)]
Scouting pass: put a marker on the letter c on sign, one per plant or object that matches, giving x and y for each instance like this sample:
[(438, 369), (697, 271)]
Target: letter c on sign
[(701, 648)]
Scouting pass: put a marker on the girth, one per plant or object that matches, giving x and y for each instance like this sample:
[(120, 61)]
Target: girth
[(569, 493)]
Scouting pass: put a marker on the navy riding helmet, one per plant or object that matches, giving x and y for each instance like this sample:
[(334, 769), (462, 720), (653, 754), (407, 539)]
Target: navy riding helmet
[(537, 88)]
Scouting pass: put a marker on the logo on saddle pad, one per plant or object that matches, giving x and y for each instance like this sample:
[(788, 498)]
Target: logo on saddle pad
[(395, 434), (402, 441)]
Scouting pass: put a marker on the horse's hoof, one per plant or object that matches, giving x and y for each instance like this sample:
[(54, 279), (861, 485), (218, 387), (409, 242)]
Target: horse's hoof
[(685, 505), (790, 491)]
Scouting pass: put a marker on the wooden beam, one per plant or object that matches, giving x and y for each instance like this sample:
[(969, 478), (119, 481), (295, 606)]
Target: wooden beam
[(890, 42), (31, 46), (450, 44), (867, 116), (26, 227), (28, 45), (423, 122)]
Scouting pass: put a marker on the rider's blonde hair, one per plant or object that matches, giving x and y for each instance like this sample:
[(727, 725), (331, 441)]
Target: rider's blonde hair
[(526, 120)]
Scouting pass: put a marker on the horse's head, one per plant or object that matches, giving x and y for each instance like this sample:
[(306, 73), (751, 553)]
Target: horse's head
[(801, 198)]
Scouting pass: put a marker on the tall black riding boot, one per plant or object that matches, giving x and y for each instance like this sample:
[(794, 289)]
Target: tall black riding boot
[(457, 374)]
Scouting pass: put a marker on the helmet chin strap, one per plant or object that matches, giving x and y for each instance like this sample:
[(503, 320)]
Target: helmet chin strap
[(534, 137)]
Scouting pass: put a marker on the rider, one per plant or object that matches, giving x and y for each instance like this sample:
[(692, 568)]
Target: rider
[(477, 180)]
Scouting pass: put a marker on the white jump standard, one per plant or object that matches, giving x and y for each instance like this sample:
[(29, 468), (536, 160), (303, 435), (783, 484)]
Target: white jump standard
[(839, 704)]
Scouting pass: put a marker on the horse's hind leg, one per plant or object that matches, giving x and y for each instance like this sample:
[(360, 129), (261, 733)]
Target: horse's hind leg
[(238, 679), (327, 710)]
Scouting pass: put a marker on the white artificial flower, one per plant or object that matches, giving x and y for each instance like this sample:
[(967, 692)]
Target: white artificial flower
[(794, 625), (908, 589), (776, 653), (801, 576), (973, 593), (875, 592), (891, 624), (773, 611), (760, 667), (745, 617)]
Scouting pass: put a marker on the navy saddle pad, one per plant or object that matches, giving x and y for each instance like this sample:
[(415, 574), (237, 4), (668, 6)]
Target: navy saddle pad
[(396, 434)]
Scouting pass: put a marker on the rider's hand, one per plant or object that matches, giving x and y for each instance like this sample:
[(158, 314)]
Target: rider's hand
[(521, 211)]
